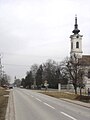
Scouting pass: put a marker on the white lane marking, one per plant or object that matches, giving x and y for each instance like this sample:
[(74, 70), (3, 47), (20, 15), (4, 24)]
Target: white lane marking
[(38, 100), (49, 105), (69, 116)]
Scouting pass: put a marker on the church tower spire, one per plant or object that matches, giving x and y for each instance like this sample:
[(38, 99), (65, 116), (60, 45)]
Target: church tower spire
[(76, 30), (76, 42)]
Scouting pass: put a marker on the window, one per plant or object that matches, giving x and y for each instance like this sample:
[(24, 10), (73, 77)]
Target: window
[(77, 44), (88, 74), (71, 45)]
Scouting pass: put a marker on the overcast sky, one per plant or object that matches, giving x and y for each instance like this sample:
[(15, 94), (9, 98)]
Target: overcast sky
[(33, 31)]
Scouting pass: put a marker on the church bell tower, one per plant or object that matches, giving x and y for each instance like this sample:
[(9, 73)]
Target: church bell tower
[(76, 42)]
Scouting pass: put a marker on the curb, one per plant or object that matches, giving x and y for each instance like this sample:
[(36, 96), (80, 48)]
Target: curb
[(7, 110), (10, 112), (76, 102)]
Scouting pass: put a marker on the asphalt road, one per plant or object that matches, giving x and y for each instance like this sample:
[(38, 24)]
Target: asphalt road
[(30, 105)]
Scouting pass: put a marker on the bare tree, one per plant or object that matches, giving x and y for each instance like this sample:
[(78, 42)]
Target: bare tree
[(76, 72), (62, 72)]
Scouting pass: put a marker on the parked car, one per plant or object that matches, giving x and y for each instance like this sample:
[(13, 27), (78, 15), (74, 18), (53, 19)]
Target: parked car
[(10, 86)]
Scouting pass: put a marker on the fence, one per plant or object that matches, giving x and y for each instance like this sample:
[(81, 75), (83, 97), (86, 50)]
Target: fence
[(70, 88)]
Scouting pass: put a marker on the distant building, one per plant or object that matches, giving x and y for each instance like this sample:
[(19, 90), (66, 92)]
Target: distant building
[(76, 51)]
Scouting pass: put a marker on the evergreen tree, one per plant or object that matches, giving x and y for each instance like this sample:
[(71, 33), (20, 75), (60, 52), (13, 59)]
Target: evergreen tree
[(39, 72)]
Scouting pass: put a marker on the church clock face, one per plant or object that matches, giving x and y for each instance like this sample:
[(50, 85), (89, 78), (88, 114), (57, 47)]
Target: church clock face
[(77, 36)]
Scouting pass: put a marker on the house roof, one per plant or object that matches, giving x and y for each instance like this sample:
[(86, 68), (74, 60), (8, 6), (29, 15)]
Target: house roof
[(85, 60)]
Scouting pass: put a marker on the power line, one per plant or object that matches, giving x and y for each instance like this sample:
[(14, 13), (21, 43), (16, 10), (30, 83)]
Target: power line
[(29, 55), (17, 65)]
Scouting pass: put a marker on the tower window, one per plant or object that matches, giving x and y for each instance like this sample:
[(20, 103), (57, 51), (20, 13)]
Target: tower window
[(77, 44), (71, 45), (88, 74)]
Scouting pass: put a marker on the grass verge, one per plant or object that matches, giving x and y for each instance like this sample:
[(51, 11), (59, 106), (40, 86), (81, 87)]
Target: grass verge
[(3, 103), (70, 96), (61, 95)]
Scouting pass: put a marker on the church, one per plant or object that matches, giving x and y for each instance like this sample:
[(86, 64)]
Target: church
[(76, 51)]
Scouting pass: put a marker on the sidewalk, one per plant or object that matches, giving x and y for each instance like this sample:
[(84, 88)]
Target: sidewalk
[(10, 113), (77, 102)]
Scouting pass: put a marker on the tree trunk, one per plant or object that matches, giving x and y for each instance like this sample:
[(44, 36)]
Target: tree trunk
[(80, 91), (75, 88)]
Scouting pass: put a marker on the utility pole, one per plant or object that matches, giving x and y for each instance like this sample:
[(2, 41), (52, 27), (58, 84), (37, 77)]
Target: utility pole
[(0, 70), (1, 73)]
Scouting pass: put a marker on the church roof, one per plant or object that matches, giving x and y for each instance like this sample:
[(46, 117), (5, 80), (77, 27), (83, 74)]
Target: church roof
[(85, 60)]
